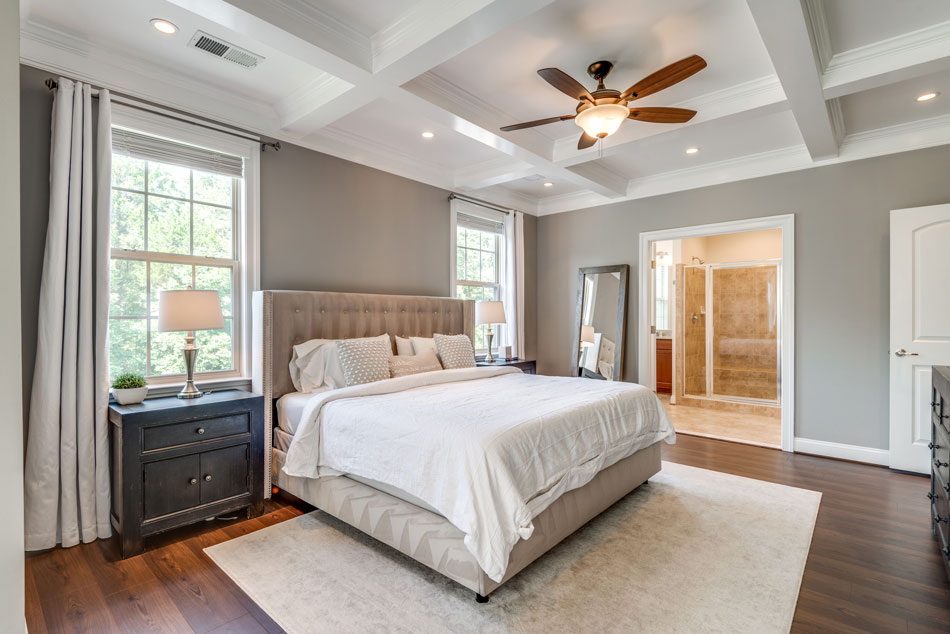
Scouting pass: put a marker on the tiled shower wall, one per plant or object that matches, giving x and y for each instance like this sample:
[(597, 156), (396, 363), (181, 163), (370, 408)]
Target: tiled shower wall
[(745, 333), (694, 329)]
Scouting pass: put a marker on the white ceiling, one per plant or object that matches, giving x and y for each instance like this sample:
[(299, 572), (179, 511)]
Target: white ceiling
[(790, 84)]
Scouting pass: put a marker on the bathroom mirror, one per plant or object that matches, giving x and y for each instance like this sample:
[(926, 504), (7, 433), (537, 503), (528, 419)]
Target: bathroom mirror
[(600, 322)]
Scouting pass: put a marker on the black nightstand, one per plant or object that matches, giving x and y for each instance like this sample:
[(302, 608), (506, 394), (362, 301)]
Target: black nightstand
[(528, 366), (178, 461)]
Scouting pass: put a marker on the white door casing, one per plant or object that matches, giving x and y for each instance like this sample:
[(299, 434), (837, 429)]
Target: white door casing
[(919, 327)]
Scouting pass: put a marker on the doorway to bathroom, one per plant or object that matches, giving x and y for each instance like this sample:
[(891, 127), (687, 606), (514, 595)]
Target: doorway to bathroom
[(715, 328)]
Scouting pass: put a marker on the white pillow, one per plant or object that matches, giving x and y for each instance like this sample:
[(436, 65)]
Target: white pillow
[(318, 364), (404, 347), (422, 345)]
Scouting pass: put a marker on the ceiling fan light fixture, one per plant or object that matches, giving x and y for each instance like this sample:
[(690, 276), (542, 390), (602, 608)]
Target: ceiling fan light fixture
[(602, 121)]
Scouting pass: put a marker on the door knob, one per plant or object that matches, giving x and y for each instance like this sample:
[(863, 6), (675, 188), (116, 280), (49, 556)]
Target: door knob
[(903, 353), (208, 478)]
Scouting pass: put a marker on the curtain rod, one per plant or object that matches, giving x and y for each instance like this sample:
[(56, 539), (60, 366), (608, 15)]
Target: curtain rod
[(162, 111), (480, 203)]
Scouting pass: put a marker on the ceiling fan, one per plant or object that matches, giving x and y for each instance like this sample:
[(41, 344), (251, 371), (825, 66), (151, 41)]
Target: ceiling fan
[(601, 112)]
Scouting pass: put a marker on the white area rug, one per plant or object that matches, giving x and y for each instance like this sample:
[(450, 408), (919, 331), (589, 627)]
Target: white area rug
[(692, 551)]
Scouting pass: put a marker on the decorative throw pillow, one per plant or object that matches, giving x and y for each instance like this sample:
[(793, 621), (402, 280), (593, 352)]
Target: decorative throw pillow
[(404, 346), (364, 360), (316, 364), (455, 351), (405, 365), (423, 344)]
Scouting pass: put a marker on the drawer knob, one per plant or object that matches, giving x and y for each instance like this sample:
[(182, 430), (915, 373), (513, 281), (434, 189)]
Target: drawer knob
[(208, 478), (201, 430), (193, 481)]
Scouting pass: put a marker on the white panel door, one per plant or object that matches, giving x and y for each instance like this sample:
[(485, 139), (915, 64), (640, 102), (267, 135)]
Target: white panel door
[(920, 327)]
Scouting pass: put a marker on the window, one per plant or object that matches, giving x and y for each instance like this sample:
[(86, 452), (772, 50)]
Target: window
[(479, 259), (178, 220)]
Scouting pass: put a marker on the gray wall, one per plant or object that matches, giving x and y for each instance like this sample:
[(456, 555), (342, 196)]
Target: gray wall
[(326, 224), (841, 275)]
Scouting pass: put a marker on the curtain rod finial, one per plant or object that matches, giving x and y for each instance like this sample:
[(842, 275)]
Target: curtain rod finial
[(51, 83)]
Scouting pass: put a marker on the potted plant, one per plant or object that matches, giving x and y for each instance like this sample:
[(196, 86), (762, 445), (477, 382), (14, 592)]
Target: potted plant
[(129, 389)]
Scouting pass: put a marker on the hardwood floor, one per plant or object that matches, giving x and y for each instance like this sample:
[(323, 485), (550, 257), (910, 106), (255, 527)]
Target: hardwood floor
[(873, 565)]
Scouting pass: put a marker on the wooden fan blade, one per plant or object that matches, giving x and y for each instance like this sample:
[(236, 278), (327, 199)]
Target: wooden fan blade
[(665, 77), (662, 115), (585, 141), (565, 83), (531, 124)]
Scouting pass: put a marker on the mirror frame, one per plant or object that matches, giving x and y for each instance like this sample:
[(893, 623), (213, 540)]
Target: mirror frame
[(624, 270)]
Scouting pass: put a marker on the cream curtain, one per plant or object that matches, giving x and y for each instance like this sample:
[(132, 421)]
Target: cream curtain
[(514, 283), (67, 469)]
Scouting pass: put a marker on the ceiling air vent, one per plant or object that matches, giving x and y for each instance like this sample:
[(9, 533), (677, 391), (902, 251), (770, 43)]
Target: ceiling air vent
[(224, 50)]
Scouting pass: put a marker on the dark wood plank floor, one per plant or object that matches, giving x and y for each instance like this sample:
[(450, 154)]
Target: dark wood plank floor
[(873, 566)]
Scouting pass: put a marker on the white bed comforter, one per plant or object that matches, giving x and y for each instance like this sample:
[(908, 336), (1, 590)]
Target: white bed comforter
[(489, 448)]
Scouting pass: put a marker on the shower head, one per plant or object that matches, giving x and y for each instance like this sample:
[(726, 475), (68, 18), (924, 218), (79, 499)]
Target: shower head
[(700, 259)]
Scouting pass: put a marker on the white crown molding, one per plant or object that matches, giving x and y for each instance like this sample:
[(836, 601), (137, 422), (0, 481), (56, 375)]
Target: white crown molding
[(891, 140), (818, 22), (326, 30), (901, 57), (56, 51), (301, 102)]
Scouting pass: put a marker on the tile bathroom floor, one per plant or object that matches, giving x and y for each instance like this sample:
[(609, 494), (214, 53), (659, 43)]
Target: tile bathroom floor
[(751, 429)]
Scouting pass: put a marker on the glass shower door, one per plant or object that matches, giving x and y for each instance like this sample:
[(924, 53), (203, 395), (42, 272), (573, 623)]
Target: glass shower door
[(745, 332), (694, 330)]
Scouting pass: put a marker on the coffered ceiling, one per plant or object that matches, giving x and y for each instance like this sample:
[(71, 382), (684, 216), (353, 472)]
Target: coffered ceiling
[(790, 84)]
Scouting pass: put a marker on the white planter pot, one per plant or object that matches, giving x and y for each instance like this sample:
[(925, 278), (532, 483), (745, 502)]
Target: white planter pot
[(130, 396)]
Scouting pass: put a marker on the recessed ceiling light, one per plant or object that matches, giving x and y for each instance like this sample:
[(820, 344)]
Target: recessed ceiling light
[(428, 135), (549, 184), (927, 96), (164, 26), (692, 150)]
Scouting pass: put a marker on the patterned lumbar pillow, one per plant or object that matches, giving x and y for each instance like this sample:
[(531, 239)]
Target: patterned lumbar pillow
[(413, 364), (364, 360), (455, 351)]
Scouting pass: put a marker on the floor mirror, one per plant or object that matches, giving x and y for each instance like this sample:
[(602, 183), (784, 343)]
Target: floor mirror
[(600, 322)]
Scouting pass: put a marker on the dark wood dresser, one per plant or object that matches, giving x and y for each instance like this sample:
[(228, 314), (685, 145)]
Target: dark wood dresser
[(664, 366), (178, 461), (940, 461)]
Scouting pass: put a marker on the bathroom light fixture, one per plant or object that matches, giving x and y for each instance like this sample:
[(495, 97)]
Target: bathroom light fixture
[(549, 184), (927, 96), (428, 135), (164, 26), (692, 150), (603, 120)]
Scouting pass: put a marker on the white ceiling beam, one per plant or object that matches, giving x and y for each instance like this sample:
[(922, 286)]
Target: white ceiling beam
[(492, 172), (784, 27), (895, 59)]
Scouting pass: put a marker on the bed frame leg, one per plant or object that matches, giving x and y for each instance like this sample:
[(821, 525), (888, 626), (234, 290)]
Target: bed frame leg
[(480, 599)]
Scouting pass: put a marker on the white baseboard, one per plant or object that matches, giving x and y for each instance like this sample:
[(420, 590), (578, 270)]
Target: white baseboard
[(844, 452)]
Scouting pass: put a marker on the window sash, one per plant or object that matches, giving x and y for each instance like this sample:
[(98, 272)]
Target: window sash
[(149, 256)]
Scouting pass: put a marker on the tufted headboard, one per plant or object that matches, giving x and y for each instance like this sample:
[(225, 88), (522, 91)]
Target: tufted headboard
[(282, 319)]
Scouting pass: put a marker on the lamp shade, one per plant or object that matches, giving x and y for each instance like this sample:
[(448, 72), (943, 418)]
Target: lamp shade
[(587, 336), (189, 310), (489, 313)]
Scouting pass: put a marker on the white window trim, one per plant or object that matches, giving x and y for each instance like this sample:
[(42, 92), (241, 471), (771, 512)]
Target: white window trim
[(457, 205), (248, 226)]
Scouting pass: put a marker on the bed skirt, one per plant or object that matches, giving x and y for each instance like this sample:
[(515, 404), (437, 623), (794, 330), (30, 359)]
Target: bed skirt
[(431, 540)]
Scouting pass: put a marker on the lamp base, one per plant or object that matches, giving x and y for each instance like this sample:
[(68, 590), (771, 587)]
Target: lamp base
[(489, 358), (191, 355)]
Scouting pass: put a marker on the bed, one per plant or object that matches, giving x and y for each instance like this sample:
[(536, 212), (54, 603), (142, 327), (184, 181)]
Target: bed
[(392, 514)]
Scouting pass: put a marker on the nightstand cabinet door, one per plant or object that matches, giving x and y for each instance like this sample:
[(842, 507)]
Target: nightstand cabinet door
[(224, 473), (170, 485)]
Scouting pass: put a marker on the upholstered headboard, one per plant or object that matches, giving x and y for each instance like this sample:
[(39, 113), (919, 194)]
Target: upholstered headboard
[(282, 319)]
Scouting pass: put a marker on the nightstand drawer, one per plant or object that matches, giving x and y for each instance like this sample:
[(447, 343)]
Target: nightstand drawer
[(177, 434), (171, 485)]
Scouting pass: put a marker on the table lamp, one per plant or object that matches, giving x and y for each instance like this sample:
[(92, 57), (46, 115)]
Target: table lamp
[(587, 336), (489, 313), (188, 311)]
